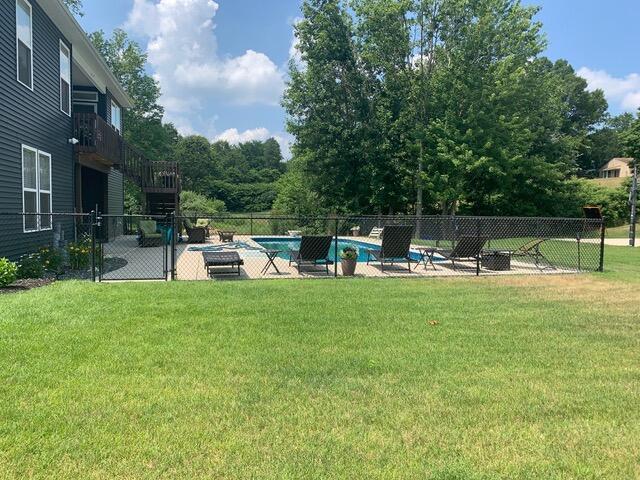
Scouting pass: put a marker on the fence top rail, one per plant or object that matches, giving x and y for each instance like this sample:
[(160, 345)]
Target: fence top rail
[(241, 216), (351, 218), (54, 214)]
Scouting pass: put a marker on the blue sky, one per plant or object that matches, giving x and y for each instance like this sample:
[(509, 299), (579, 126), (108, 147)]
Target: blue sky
[(229, 86)]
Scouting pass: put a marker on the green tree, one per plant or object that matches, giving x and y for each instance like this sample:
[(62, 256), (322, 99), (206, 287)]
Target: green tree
[(604, 144), (193, 154), (327, 106), (143, 125), (75, 6), (193, 203), (631, 139)]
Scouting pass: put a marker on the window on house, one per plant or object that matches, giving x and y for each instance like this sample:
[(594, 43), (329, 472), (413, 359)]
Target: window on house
[(65, 79), (24, 43), (36, 189), (116, 116)]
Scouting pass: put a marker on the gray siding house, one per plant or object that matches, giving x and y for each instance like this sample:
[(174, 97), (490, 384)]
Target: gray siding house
[(61, 118)]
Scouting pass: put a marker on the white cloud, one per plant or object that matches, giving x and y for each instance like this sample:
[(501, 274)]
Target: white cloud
[(623, 93), (234, 137), (183, 54)]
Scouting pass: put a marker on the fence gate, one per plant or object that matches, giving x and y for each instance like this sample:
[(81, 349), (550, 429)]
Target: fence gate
[(133, 247)]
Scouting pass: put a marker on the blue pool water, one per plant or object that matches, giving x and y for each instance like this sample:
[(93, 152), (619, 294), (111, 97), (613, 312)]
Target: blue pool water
[(292, 243)]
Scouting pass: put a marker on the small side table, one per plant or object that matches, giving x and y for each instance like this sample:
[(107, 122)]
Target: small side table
[(226, 235), (271, 256), (496, 260), (426, 257)]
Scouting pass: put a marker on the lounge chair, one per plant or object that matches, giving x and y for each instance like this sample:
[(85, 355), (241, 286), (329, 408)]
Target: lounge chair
[(376, 232), (396, 245), (149, 235), (196, 234), (531, 250), (468, 248), (221, 259), (314, 250)]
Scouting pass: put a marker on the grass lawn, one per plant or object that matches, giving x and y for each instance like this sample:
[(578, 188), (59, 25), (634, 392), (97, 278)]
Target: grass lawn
[(621, 232), (522, 377)]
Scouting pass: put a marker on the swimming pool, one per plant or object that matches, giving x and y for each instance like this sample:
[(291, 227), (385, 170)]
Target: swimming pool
[(291, 243)]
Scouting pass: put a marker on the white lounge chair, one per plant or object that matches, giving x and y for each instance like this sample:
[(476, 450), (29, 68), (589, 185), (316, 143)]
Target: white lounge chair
[(376, 232)]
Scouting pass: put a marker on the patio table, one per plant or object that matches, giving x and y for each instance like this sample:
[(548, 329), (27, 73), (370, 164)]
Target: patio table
[(271, 256), (426, 257)]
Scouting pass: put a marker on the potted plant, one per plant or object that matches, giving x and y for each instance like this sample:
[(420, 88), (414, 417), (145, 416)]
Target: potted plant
[(349, 260)]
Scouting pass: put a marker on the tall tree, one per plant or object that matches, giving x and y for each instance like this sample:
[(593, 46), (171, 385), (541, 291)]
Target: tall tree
[(143, 123), (327, 106)]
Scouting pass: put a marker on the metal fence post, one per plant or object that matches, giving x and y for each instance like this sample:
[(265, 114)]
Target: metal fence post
[(174, 233), (251, 223), (335, 254), (93, 245), (603, 229)]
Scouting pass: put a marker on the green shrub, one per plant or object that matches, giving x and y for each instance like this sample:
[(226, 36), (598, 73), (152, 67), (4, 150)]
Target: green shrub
[(193, 204), (79, 254), (51, 259), (8, 272), (30, 266)]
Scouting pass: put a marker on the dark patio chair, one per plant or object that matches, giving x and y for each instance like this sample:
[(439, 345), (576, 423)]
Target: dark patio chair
[(314, 250), (396, 245), (148, 234), (531, 250), (468, 248), (196, 234)]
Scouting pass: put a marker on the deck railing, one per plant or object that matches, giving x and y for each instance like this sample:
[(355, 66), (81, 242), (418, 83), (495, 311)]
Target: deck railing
[(161, 177), (96, 137)]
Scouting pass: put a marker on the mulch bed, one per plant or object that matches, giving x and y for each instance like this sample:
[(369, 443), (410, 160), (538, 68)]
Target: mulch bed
[(26, 284)]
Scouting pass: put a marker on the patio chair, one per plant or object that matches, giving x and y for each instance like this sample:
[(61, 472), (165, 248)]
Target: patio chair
[(314, 250), (531, 250), (468, 248), (196, 234), (376, 232), (206, 224), (149, 235), (396, 245)]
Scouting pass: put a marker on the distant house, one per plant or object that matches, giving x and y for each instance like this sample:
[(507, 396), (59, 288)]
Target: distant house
[(61, 118), (616, 168)]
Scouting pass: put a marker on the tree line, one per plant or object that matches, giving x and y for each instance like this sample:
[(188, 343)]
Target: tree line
[(438, 106), (238, 178), (402, 106)]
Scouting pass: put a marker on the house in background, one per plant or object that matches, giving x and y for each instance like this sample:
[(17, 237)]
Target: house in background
[(61, 118), (616, 168)]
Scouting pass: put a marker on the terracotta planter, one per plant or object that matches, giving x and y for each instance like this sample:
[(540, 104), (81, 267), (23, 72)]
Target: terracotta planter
[(348, 266)]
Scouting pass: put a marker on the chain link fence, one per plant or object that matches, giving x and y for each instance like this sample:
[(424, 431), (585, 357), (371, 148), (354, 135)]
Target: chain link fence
[(200, 247), (55, 245)]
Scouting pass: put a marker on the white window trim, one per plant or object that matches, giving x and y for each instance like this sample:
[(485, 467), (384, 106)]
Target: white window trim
[(117, 127), (17, 44), (48, 192), (63, 46), (37, 190)]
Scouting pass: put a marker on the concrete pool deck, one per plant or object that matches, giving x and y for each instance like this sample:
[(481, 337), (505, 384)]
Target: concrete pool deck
[(150, 263)]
